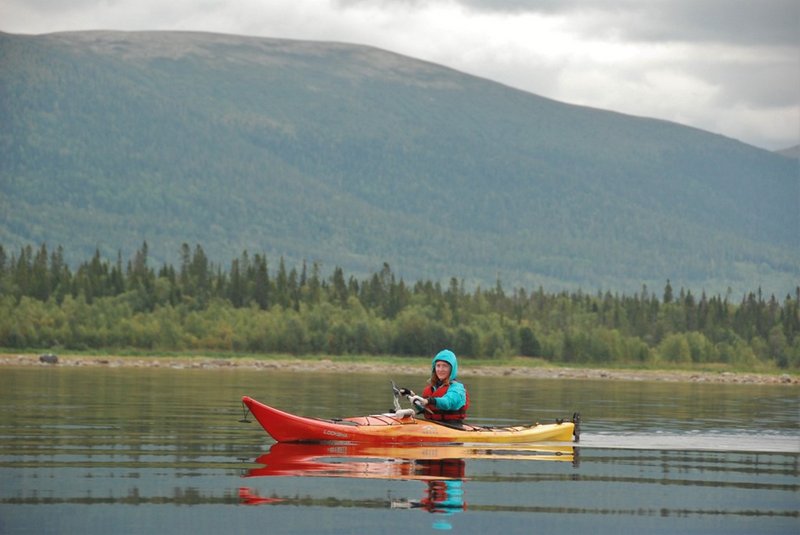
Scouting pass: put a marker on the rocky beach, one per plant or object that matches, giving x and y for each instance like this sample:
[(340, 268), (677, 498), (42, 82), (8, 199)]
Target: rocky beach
[(327, 365)]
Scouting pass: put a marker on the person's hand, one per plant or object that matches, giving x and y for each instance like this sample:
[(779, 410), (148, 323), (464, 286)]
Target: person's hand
[(418, 400)]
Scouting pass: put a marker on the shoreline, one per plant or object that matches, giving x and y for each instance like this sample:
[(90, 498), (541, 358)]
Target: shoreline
[(326, 365)]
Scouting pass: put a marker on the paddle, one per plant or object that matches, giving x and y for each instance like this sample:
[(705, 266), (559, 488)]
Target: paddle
[(409, 394), (245, 410)]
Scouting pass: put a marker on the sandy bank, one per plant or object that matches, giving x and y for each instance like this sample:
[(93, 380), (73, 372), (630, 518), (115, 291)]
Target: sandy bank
[(330, 366)]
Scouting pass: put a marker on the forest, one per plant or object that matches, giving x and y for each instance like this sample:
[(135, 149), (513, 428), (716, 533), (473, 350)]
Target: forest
[(254, 307)]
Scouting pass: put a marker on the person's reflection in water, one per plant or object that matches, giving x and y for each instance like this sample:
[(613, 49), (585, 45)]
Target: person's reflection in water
[(443, 496)]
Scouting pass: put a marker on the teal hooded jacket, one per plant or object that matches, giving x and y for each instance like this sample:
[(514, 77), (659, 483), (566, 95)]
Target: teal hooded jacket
[(456, 395)]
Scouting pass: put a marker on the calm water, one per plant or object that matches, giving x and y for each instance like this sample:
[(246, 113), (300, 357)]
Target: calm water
[(97, 450)]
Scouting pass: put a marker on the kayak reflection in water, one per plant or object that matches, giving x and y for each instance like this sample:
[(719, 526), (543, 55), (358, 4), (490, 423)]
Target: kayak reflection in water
[(442, 469)]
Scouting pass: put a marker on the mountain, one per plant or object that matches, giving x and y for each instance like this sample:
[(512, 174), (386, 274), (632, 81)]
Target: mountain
[(790, 152), (353, 156)]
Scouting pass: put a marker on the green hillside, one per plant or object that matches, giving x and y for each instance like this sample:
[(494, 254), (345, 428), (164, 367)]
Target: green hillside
[(353, 156)]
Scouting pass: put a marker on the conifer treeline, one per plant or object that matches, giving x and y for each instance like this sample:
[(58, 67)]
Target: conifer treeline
[(253, 307)]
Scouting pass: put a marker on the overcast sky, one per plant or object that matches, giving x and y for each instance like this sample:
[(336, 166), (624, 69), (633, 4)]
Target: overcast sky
[(727, 66)]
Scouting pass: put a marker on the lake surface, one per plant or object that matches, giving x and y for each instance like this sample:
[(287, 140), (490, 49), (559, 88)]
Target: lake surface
[(143, 450)]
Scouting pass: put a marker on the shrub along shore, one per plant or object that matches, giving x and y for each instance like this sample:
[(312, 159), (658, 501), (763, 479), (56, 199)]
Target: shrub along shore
[(397, 366)]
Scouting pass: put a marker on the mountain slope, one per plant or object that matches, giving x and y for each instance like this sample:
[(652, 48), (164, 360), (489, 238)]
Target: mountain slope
[(354, 156), (790, 152)]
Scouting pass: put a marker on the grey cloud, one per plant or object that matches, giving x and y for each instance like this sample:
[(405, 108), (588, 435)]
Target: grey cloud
[(763, 85), (746, 22), (738, 22)]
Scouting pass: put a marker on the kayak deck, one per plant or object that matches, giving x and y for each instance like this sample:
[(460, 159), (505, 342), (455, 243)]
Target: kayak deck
[(390, 429)]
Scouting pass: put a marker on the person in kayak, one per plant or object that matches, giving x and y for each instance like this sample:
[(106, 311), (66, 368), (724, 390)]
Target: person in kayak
[(444, 398)]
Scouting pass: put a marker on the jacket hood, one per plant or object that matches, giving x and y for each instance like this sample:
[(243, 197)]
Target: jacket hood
[(449, 357)]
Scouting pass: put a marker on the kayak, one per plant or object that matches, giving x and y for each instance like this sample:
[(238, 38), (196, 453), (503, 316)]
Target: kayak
[(391, 428), (407, 462)]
